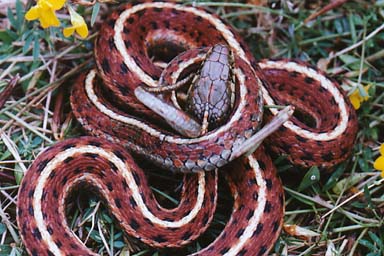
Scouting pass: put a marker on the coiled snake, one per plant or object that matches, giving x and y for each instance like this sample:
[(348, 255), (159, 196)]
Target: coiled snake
[(123, 53)]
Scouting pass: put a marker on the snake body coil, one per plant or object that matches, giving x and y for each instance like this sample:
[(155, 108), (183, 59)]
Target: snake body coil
[(123, 56)]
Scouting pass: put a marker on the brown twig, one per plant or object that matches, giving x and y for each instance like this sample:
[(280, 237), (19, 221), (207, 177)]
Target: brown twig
[(328, 7), (57, 114), (7, 92)]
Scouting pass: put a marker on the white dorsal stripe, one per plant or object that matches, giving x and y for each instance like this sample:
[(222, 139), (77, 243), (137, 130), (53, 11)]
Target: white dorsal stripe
[(326, 84), (130, 62), (122, 168), (257, 214)]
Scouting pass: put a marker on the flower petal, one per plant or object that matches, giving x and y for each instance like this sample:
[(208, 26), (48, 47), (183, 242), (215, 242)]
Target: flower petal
[(56, 4), (382, 149), (76, 18), (354, 98), (49, 19), (379, 164), (82, 30), (78, 23), (68, 31), (33, 13)]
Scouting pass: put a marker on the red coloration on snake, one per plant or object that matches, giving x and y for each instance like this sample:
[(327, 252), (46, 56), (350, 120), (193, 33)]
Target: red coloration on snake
[(121, 52)]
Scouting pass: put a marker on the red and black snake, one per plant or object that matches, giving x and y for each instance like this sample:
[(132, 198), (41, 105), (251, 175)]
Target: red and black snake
[(124, 62)]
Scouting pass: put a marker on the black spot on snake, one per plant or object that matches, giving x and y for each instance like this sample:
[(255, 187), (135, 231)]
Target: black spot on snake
[(308, 80), (31, 192), (74, 246), (59, 244), (159, 239), (250, 214), (118, 202), (240, 232), (111, 44), (258, 230), (105, 66), (37, 234), (262, 165), (275, 226), (205, 218), (68, 160), (111, 23), (154, 25), (242, 252), (186, 236), (126, 30), (41, 166), (137, 178), (134, 224), (252, 182), (268, 183), (127, 44), (124, 68), (262, 250), (68, 146), (255, 196), (132, 202), (267, 207), (327, 157), (301, 139), (224, 250), (30, 210)]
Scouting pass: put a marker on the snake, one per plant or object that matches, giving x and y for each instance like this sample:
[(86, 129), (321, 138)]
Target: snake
[(131, 45)]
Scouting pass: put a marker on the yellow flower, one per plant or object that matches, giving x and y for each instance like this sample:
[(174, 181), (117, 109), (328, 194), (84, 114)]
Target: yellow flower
[(44, 10), (356, 98), (78, 25), (379, 162)]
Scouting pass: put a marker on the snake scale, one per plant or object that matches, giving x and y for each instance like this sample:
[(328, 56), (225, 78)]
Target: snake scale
[(126, 52)]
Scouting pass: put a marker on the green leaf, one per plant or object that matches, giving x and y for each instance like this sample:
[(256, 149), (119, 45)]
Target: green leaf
[(376, 239), (5, 250), (348, 182), (19, 174), (95, 12), (368, 196), (331, 182), (5, 38), (310, 178), (117, 235), (19, 13), (12, 19), (367, 244), (118, 244), (27, 44), (3, 228), (349, 59), (36, 48), (95, 235), (302, 199), (106, 217)]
